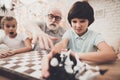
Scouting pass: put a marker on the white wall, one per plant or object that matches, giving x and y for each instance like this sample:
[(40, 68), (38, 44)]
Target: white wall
[(107, 20)]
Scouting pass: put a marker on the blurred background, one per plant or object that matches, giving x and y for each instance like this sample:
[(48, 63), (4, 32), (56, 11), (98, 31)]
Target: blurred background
[(107, 15)]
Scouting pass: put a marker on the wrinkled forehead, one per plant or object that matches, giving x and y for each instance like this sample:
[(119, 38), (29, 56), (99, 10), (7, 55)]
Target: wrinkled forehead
[(11, 22), (55, 12)]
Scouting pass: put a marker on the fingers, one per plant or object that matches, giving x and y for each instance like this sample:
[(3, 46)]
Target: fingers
[(50, 43), (10, 53), (45, 67), (41, 42), (46, 74), (34, 40), (45, 42), (3, 55)]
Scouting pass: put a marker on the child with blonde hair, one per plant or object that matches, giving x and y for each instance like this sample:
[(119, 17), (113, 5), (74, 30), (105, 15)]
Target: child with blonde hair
[(17, 42)]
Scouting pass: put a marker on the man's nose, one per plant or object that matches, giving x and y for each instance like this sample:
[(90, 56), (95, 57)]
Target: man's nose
[(53, 19)]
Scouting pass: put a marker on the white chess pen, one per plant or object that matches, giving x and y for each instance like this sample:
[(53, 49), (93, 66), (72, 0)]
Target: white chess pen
[(68, 63)]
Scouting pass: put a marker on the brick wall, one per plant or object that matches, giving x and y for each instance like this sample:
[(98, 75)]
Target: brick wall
[(107, 20)]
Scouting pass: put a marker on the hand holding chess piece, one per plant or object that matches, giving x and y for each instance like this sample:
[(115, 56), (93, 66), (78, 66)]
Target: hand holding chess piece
[(63, 66)]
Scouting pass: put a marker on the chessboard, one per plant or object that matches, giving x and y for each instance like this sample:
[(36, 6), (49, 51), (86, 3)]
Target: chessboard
[(26, 66)]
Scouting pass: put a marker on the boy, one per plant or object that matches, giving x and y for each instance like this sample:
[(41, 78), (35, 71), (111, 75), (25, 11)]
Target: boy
[(87, 44)]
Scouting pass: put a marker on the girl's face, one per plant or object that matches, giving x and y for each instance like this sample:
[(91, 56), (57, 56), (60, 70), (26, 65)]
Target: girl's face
[(10, 28), (80, 26)]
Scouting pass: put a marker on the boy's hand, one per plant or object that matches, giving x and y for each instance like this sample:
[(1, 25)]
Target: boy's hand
[(45, 65), (45, 74)]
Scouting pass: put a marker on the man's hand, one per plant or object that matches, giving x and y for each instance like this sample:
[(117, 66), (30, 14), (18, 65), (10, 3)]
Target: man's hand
[(46, 41)]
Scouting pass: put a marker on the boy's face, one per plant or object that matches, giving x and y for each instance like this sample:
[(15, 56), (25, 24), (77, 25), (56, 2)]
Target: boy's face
[(80, 26), (10, 28)]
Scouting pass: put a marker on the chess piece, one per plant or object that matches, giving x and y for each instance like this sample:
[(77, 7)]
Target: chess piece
[(68, 63), (63, 57), (79, 64), (54, 62), (59, 72)]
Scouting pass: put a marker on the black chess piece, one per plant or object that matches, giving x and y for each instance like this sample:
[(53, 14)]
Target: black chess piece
[(58, 72)]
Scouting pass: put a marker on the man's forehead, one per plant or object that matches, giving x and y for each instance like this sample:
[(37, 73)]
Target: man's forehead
[(55, 12)]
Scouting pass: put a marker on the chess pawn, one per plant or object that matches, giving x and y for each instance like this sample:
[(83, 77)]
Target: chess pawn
[(68, 63), (62, 57), (54, 62)]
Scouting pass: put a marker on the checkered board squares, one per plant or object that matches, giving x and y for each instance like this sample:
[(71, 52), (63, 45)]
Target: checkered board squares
[(26, 64)]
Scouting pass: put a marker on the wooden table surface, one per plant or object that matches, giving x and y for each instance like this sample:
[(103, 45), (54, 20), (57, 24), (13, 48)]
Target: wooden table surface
[(113, 72)]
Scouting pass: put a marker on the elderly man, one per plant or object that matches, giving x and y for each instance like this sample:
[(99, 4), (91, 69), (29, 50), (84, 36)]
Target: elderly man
[(51, 31)]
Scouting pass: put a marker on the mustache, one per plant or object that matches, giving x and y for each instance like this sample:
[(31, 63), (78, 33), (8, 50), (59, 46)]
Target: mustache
[(53, 24)]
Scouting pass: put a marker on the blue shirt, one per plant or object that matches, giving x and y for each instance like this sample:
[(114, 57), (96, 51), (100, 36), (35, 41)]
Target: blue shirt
[(84, 43)]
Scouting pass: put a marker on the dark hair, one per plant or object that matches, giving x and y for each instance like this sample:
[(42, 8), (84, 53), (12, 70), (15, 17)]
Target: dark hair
[(7, 18), (81, 10)]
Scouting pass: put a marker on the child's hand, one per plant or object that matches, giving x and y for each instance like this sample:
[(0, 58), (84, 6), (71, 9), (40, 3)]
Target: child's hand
[(72, 53), (10, 53), (45, 67), (45, 74), (3, 55)]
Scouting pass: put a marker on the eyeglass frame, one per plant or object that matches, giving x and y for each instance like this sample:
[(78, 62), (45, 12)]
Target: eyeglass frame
[(51, 16)]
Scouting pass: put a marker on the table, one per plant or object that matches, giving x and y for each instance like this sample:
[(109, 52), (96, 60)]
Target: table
[(24, 66), (113, 72), (27, 66)]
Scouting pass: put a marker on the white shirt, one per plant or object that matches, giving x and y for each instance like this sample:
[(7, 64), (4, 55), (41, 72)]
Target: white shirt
[(15, 43)]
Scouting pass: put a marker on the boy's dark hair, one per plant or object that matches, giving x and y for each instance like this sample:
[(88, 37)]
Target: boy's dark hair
[(81, 10), (6, 18)]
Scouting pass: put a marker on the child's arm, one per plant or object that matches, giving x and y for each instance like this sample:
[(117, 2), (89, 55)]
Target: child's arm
[(45, 61), (27, 47), (104, 54)]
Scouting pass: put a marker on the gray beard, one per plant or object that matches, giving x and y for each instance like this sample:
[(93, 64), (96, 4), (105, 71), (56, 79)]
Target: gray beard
[(53, 27)]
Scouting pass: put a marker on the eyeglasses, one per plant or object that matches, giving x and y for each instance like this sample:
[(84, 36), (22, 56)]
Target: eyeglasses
[(57, 18)]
